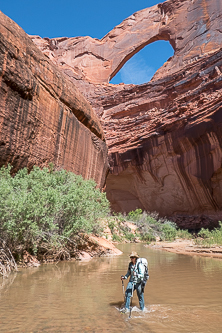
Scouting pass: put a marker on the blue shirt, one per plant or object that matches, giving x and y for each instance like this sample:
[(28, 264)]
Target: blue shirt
[(136, 272)]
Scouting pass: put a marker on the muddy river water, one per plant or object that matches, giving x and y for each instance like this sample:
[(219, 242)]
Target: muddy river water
[(184, 294)]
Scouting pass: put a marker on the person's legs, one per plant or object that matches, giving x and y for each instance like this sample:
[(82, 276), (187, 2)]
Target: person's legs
[(140, 296), (128, 294)]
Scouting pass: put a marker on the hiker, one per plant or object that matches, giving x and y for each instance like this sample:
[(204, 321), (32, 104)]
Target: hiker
[(136, 272)]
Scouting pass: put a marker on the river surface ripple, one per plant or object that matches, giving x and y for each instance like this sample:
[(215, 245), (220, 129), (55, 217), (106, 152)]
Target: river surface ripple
[(184, 294)]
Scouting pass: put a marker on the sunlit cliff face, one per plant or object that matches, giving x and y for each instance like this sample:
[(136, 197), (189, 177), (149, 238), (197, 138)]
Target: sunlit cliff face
[(44, 117), (164, 136)]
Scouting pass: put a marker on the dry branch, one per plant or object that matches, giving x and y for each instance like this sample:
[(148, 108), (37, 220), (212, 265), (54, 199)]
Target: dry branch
[(7, 262)]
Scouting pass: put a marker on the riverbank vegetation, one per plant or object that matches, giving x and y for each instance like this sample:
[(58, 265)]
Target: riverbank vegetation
[(46, 214), (209, 238), (150, 227)]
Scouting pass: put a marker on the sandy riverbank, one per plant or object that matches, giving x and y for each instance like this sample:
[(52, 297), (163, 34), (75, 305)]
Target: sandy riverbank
[(188, 247), (97, 247)]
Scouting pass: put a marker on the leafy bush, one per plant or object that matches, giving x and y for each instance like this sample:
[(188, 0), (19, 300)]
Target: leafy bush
[(111, 225), (204, 233), (150, 226), (119, 216), (148, 237), (146, 224), (169, 231), (129, 236), (217, 234), (135, 214), (210, 238), (184, 234), (46, 205), (116, 238)]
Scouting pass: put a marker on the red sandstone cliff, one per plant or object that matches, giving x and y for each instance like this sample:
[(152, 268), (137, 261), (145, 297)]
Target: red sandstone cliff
[(43, 116), (164, 137)]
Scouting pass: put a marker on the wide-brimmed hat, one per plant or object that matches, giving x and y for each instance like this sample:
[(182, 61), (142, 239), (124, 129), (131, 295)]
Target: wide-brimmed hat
[(134, 254)]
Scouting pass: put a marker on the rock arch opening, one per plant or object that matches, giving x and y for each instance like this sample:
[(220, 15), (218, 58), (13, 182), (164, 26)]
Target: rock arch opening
[(143, 65)]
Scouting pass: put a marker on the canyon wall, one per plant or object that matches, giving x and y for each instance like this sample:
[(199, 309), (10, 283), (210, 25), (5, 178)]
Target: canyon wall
[(164, 137), (43, 116)]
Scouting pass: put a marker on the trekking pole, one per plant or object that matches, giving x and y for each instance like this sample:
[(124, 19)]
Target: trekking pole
[(124, 297), (131, 301)]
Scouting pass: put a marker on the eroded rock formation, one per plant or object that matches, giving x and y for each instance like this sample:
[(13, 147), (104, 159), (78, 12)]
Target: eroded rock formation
[(164, 137), (44, 118), (191, 26)]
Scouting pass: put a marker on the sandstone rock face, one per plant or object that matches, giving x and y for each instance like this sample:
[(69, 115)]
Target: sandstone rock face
[(44, 118), (164, 137), (191, 26)]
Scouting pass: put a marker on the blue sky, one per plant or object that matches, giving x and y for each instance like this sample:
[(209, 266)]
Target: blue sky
[(71, 18)]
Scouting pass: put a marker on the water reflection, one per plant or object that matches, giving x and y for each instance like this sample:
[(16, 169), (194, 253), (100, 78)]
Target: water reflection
[(5, 283), (208, 265), (183, 295)]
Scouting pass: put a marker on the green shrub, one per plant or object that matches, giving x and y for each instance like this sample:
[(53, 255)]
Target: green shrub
[(134, 214), (169, 231), (116, 238), (210, 238), (184, 234), (150, 226), (129, 236), (120, 217), (204, 233), (217, 234), (47, 206), (148, 237), (111, 225)]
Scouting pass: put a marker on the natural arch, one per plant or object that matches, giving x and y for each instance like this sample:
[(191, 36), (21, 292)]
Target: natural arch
[(98, 60), (151, 130), (142, 66)]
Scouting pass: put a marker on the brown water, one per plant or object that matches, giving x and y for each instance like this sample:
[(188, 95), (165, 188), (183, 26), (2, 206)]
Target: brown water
[(184, 294)]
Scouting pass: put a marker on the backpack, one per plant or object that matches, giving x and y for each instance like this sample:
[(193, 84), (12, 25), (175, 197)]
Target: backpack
[(144, 262)]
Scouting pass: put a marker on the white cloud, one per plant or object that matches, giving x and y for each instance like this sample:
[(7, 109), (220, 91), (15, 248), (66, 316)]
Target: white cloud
[(136, 71)]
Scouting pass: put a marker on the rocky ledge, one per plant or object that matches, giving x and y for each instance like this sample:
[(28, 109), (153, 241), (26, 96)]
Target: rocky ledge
[(188, 247)]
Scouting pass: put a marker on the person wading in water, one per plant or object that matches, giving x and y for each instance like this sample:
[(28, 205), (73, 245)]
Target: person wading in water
[(136, 272)]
